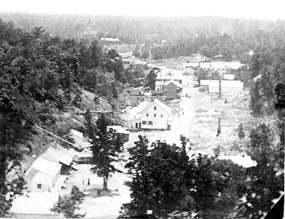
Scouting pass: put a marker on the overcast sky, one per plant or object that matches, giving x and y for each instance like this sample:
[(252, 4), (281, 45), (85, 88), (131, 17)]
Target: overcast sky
[(260, 9)]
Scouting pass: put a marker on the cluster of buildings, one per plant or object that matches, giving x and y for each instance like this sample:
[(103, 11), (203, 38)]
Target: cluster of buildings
[(168, 83), (50, 170), (152, 114), (228, 85), (220, 66)]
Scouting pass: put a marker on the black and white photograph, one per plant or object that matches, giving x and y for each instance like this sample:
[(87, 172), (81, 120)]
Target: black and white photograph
[(123, 109)]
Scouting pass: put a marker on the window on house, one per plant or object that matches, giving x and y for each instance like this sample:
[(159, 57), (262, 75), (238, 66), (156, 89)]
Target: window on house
[(39, 186), (154, 107), (150, 123), (144, 122), (147, 115), (154, 115)]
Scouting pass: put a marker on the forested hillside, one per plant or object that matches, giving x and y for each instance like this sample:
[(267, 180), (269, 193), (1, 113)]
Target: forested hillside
[(40, 77)]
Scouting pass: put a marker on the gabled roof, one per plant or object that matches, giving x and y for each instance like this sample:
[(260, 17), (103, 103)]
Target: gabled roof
[(145, 105), (163, 106), (173, 82), (58, 154), (44, 166), (159, 104), (139, 108)]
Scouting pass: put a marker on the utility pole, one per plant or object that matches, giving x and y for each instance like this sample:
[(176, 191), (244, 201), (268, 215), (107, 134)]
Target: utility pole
[(220, 87), (219, 126), (220, 83)]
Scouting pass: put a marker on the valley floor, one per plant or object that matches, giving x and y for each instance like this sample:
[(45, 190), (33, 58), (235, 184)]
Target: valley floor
[(197, 120)]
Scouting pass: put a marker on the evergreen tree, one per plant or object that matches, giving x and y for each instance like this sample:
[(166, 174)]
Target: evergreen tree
[(157, 183), (150, 79), (70, 205), (255, 98), (167, 181), (106, 146), (267, 91)]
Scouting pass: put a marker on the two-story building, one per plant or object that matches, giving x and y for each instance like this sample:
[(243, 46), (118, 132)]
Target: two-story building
[(149, 115)]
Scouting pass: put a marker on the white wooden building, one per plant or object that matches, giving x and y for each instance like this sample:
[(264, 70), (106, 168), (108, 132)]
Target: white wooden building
[(42, 175), (149, 115), (229, 87), (79, 139)]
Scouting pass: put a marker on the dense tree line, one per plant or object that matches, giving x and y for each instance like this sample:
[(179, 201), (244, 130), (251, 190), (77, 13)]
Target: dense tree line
[(167, 181), (235, 44), (135, 29)]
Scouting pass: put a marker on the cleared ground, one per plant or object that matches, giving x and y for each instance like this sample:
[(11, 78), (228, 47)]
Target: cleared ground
[(107, 204), (195, 117), (198, 120)]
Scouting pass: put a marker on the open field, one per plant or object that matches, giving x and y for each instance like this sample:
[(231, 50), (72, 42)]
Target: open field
[(107, 204), (176, 62)]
